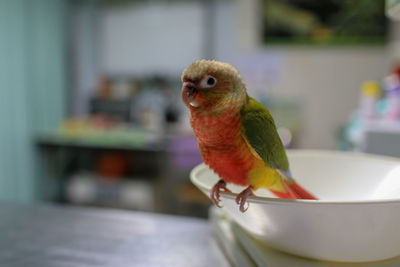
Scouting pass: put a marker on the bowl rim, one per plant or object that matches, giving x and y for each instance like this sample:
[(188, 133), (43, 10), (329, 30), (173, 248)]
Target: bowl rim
[(270, 200)]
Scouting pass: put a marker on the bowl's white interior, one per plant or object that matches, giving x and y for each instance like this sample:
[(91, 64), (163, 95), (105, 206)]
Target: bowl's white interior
[(335, 176)]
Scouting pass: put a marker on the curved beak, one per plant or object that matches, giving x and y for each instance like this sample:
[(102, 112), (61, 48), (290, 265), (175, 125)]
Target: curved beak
[(190, 88), (189, 93)]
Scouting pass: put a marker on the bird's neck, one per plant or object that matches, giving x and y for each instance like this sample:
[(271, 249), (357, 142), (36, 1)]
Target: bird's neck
[(216, 128)]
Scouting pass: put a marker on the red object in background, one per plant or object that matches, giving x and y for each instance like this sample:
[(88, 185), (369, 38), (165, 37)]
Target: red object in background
[(112, 165), (396, 71)]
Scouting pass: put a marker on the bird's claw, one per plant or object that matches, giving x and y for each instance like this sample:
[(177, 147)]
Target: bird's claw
[(241, 202), (241, 198), (215, 192)]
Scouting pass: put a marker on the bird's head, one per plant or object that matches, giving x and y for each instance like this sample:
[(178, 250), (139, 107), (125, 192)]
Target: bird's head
[(209, 84)]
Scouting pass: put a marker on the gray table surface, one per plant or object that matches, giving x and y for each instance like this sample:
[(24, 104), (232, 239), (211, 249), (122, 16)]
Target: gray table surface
[(50, 235)]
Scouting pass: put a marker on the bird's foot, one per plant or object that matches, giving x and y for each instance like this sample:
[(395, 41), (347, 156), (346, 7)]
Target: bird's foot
[(242, 198), (216, 190)]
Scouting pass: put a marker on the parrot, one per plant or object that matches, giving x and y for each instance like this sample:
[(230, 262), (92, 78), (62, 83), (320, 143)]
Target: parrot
[(236, 135)]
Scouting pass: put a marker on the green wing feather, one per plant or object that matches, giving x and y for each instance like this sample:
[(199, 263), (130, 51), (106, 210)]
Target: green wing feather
[(259, 129)]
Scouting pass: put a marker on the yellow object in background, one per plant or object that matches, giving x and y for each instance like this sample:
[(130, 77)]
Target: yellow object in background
[(371, 88)]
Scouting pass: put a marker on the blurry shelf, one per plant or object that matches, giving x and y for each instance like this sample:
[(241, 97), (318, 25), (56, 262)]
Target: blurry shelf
[(62, 157), (162, 163), (120, 141)]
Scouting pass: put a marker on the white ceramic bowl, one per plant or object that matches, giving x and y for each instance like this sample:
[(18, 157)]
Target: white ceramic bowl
[(356, 219)]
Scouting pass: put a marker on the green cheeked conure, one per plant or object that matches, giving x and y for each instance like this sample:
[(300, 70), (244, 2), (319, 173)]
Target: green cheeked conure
[(236, 135)]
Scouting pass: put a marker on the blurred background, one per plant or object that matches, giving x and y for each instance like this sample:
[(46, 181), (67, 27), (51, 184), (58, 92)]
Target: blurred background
[(90, 108)]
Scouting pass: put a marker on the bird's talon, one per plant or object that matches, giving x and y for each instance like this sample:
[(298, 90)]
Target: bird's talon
[(241, 199), (215, 192), (242, 208)]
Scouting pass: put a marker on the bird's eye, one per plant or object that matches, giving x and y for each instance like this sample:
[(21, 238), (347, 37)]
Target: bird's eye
[(208, 82)]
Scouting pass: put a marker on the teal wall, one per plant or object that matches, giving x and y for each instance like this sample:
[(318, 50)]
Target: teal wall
[(32, 87)]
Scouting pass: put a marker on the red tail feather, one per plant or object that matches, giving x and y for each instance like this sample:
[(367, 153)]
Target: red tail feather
[(301, 192), (294, 191)]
